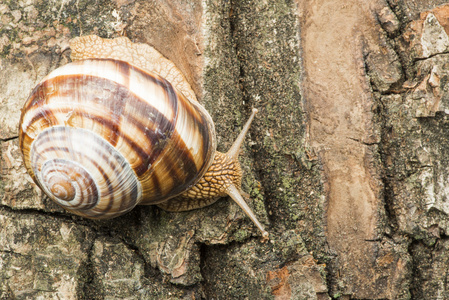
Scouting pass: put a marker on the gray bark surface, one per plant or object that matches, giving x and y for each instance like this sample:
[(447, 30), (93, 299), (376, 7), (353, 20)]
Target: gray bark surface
[(346, 162)]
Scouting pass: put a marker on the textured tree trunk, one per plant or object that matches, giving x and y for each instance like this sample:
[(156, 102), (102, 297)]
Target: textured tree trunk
[(346, 163)]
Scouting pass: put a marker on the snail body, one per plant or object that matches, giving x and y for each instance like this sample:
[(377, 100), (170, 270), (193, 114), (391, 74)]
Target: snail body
[(109, 131)]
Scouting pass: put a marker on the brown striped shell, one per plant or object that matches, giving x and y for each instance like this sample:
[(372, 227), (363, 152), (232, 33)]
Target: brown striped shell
[(96, 131)]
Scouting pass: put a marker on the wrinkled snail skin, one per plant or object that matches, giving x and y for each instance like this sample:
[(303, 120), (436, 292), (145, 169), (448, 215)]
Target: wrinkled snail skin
[(100, 136)]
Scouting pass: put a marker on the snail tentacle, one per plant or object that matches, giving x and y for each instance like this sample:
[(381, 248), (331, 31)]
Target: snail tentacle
[(233, 152), (234, 193), (223, 178)]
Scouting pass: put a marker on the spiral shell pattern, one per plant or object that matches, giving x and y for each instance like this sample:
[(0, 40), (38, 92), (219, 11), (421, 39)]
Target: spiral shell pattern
[(100, 136)]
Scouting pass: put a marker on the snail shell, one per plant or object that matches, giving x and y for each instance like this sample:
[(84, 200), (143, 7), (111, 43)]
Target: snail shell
[(94, 131), (120, 126)]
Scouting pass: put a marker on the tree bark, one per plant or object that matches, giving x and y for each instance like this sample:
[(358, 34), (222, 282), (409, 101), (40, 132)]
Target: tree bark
[(346, 162)]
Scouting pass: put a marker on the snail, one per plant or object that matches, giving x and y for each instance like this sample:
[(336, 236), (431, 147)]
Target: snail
[(120, 126)]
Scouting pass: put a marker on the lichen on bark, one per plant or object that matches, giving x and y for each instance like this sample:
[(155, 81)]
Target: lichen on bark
[(150, 253), (345, 163)]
